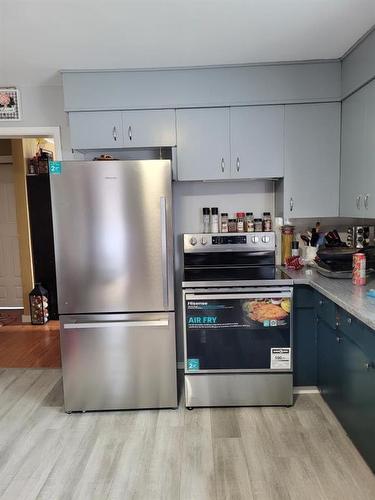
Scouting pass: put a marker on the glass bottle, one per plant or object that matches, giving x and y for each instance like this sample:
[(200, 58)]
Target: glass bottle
[(224, 223), (240, 222), (214, 220), (206, 220), (249, 222), (267, 221)]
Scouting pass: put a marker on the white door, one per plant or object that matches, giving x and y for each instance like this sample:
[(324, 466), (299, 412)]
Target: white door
[(257, 141), (203, 150), (10, 274)]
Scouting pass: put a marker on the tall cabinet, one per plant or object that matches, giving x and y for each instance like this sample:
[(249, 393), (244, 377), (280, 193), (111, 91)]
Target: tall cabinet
[(312, 160)]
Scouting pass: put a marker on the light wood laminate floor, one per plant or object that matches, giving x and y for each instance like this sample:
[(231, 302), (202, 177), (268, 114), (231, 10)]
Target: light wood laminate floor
[(241, 453)]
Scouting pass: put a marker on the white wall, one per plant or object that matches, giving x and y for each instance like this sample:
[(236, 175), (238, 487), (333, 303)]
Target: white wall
[(190, 197), (42, 106)]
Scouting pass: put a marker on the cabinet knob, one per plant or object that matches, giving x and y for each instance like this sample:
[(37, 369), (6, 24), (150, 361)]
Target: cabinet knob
[(338, 339), (130, 134), (358, 202), (238, 164), (349, 321), (222, 165), (321, 302), (291, 204), (368, 366), (114, 134)]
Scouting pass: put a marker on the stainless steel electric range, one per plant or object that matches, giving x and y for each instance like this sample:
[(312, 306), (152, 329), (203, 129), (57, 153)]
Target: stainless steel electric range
[(237, 322)]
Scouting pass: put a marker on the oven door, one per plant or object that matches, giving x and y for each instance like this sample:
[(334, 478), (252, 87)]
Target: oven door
[(238, 331)]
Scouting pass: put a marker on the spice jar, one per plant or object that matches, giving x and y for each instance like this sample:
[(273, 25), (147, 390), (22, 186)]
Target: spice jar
[(214, 220), (240, 222), (249, 222), (258, 225), (267, 221), (224, 223), (287, 237), (232, 225), (206, 220)]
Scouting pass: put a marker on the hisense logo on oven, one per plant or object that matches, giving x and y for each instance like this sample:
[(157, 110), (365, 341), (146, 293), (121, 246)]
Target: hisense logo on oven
[(202, 320)]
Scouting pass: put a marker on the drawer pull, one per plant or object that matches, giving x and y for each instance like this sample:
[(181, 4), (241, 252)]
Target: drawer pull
[(349, 320), (338, 339), (321, 302)]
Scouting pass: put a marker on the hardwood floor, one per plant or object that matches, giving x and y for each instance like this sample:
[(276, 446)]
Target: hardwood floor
[(30, 346), (296, 453)]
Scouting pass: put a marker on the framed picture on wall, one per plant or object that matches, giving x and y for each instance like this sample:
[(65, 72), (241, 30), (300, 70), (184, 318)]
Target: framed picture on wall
[(10, 104)]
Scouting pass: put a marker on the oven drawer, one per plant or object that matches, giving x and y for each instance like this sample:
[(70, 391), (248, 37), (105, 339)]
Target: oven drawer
[(246, 331)]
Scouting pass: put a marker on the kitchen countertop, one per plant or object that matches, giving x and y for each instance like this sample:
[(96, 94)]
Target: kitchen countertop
[(351, 298)]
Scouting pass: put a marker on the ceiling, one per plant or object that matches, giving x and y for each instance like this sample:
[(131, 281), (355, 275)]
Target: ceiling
[(40, 37)]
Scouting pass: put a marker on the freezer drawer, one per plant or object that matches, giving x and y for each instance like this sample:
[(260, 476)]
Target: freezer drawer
[(118, 361)]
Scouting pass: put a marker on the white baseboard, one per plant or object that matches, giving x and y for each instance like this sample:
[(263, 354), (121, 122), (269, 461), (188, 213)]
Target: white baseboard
[(26, 318)]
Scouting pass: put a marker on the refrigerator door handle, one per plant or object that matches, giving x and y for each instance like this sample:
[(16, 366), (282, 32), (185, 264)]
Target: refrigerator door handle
[(111, 324), (164, 249)]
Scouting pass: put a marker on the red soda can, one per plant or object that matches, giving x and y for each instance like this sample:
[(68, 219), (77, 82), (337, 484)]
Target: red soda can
[(359, 269)]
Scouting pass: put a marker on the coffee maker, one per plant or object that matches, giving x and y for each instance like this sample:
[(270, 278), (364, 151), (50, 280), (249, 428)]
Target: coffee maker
[(360, 236)]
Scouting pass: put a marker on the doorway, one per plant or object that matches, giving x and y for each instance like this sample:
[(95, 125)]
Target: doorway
[(22, 261)]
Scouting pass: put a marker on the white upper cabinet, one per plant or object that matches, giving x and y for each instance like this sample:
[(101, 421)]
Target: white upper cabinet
[(357, 194), (96, 129), (257, 141), (312, 160), (203, 150), (149, 128)]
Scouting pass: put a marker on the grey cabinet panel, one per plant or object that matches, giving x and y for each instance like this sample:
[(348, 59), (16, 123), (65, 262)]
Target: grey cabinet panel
[(257, 141), (149, 128), (96, 129), (353, 155), (312, 160), (203, 151)]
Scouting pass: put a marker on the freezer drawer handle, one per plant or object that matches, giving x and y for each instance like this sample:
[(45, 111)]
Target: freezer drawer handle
[(111, 324)]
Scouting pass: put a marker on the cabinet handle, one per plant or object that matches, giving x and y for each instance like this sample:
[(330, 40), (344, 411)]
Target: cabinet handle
[(349, 320), (114, 134), (366, 201), (358, 202), (338, 339), (368, 366), (238, 164), (222, 165), (130, 135), (291, 204), (321, 302)]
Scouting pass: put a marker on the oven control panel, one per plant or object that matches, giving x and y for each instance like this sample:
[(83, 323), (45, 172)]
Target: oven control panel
[(233, 242)]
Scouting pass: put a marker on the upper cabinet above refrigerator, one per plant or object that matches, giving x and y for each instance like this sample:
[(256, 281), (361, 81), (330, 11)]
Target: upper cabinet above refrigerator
[(257, 142), (122, 129)]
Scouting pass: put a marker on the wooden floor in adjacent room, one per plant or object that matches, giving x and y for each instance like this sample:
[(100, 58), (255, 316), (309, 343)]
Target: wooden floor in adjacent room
[(298, 453), (30, 346)]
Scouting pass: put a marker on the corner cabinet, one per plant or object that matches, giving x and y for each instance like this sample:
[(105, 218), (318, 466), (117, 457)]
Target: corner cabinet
[(203, 149), (312, 160), (357, 193)]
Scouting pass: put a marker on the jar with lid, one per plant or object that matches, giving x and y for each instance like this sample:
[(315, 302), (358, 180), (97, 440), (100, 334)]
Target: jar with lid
[(206, 220), (249, 222), (232, 225), (214, 220), (224, 223), (267, 221), (240, 222), (258, 225)]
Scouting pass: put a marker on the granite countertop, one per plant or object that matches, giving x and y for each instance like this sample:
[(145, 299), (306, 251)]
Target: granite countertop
[(351, 298)]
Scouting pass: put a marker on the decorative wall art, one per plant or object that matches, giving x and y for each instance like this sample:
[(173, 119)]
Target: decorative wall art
[(10, 104)]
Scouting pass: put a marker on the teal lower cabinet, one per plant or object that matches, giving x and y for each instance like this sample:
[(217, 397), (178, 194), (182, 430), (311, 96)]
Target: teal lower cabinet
[(304, 337), (346, 376)]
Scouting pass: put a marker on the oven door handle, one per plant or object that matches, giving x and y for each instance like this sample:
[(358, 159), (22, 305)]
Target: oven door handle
[(247, 295)]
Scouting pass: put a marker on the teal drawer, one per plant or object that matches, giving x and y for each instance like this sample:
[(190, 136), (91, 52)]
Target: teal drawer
[(358, 332), (303, 296), (326, 310)]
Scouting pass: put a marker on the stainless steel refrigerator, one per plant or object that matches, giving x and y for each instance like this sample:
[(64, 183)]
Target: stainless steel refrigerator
[(113, 239)]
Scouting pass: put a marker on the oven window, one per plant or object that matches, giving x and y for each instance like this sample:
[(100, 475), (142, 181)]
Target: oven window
[(238, 333)]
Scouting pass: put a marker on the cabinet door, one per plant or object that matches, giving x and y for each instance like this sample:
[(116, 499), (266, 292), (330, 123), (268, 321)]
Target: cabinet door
[(257, 141), (96, 129), (353, 155), (149, 128), (368, 176), (312, 160), (203, 144)]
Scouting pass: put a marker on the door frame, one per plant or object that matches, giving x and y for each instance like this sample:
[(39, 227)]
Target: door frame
[(25, 132)]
